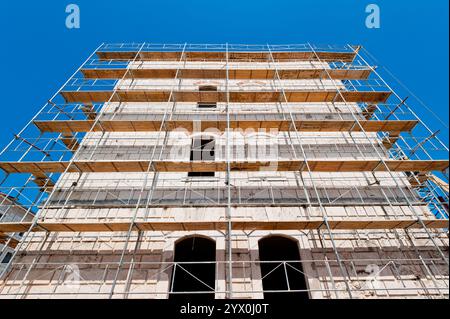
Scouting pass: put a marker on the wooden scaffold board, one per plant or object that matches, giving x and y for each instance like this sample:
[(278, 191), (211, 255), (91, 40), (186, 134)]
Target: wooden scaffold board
[(221, 166), (297, 96), (71, 126), (222, 55), (233, 74), (317, 223), (6, 240)]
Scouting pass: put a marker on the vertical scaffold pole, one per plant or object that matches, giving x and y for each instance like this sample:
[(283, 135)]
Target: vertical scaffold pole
[(36, 217), (228, 183), (307, 166)]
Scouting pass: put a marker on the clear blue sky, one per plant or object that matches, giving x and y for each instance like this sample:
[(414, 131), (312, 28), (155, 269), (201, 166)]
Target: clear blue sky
[(38, 52)]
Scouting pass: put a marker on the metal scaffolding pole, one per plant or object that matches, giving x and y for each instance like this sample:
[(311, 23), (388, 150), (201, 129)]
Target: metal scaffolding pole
[(306, 164), (150, 167), (229, 243), (382, 162), (36, 218), (92, 205)]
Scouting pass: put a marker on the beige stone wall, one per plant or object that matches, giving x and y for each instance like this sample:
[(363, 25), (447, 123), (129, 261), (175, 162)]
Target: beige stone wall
[(10, 212), (408, 265), (95, 256)]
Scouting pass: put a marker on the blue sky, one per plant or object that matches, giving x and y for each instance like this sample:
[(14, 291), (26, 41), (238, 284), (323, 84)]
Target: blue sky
[(39, 53)]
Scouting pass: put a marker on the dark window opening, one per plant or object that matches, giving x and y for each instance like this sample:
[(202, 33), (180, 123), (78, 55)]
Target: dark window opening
[(207, 105), (188, 276), (209, 88), (277, 275), (444, 202), (203, 149), (7, 258), (201, 174)]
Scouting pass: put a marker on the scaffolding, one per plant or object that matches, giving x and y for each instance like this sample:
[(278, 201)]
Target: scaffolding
[(312, 136)]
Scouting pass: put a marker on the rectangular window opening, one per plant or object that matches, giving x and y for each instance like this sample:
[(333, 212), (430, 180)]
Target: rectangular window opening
[(202, 149), (7, 258), (207, 105)]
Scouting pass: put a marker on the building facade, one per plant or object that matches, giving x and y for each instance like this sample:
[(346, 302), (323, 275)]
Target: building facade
[(226, 171), (10, 212)]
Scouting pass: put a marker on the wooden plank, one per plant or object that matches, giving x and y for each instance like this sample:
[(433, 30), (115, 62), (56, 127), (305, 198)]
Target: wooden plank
[(14, 227), (44, 183), (263, 56), (439, 182), (416, 166), (367, 97), (149, 126), (235, 96), (220, 166), (110, 226), (5, 239), (70, 141), (438, 223), (234, 74)]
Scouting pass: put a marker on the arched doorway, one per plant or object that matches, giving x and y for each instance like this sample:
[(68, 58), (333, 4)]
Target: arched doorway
[(286, 271), (189, 276)]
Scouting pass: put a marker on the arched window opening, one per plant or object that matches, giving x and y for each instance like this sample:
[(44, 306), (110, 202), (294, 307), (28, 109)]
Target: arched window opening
[(209, 88), (194, 272), (281, 269)]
